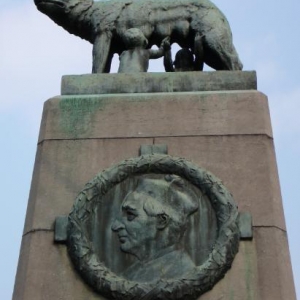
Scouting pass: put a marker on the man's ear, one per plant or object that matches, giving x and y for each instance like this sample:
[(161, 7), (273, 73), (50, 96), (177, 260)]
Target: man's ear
[(162, 221)]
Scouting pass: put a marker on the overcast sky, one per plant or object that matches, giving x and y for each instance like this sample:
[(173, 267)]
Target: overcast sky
[(35, 53)]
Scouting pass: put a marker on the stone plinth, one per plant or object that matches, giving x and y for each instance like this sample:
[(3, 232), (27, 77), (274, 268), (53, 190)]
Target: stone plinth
[(157, 82), (228, 132)]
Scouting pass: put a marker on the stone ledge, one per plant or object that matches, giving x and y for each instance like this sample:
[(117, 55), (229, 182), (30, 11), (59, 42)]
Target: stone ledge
[(152, 115), (92, 84)]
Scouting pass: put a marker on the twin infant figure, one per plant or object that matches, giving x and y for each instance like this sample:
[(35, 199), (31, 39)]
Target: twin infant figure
[(136, 58)]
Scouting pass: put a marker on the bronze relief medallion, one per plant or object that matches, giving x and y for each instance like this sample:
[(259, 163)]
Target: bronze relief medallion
[(153, 227)]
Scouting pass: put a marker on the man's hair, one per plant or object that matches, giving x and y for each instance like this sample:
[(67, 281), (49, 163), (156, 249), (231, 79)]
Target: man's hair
[(170, 196)]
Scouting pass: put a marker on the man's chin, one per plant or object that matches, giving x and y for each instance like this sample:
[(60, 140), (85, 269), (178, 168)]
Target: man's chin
[(126, 248)]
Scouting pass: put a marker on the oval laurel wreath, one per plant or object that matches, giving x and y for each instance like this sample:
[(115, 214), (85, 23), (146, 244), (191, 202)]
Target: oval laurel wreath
[(193, 284)]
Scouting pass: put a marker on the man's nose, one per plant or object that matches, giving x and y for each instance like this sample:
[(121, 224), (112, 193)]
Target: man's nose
[(117, 225)]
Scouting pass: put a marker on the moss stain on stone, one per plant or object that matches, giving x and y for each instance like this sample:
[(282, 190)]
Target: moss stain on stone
[(76, 113)]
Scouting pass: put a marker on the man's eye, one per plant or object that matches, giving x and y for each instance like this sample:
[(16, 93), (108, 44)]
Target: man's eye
[(130, 216)]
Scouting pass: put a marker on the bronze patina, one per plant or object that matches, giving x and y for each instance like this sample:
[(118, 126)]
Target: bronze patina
[(103, 23), (175, 224)]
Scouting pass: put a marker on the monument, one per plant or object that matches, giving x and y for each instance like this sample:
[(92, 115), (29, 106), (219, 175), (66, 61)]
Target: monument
[(154, 185)]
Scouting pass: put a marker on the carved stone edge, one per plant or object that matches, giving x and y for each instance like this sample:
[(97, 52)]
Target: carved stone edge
[(245, 226), (96, 84), (195, 283), (60, 229), (154, 149)]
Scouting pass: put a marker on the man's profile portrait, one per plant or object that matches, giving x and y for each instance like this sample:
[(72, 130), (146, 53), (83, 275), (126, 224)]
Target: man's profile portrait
[(178, 234), (152, 222)]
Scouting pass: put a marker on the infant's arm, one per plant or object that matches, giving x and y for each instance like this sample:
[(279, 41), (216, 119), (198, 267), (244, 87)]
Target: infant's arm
[(165, 45)]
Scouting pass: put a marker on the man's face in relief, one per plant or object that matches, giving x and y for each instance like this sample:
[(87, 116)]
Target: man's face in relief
[(136, 230)]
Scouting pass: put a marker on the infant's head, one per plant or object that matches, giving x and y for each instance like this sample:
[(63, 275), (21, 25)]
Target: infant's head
[(134, 37)]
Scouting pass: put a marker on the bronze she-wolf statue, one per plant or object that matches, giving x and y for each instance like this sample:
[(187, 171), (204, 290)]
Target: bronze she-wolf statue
[(103, 23)]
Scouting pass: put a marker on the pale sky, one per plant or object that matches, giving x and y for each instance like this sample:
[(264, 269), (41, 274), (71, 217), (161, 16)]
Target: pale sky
[(35, 53)]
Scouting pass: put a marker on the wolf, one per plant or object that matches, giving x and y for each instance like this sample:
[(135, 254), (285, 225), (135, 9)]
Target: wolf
[(103, 24)]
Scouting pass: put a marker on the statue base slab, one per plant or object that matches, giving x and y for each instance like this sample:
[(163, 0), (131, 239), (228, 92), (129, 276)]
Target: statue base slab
[(158, 82)]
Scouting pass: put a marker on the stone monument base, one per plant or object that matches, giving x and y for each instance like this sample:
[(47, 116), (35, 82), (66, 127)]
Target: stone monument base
[(220, 124)]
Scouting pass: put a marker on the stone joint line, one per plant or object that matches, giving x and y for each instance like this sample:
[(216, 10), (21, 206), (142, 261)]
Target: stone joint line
[(269, 226), (163, 136), (37, 229)]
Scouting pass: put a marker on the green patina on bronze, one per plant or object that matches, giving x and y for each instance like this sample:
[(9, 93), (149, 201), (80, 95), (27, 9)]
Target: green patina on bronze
[(245, 225), (186, 22), (197, 279)]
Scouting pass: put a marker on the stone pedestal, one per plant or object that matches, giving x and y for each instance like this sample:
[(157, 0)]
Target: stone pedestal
[(217, 120)]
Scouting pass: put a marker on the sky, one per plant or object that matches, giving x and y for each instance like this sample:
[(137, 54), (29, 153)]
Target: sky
[(35, 53)]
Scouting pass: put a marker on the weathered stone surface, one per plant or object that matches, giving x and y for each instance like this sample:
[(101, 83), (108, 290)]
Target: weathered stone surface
[(274, 264), (234, 159), (156, 115), (252, 264), (245, 163), (256, 273), (158, 82), (52, 275), (261, 270), (46, 272), (228, 133), (242, 280), (66, 166)]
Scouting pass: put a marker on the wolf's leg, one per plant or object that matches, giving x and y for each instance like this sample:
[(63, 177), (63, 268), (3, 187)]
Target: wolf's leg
[(108, 62), (199, 52), (101, 52)]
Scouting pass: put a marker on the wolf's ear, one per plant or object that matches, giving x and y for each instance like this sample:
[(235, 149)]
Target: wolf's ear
[(162, 221)]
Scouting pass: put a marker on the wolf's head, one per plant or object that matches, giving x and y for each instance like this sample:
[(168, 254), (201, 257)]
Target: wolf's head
[(67, 14)]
